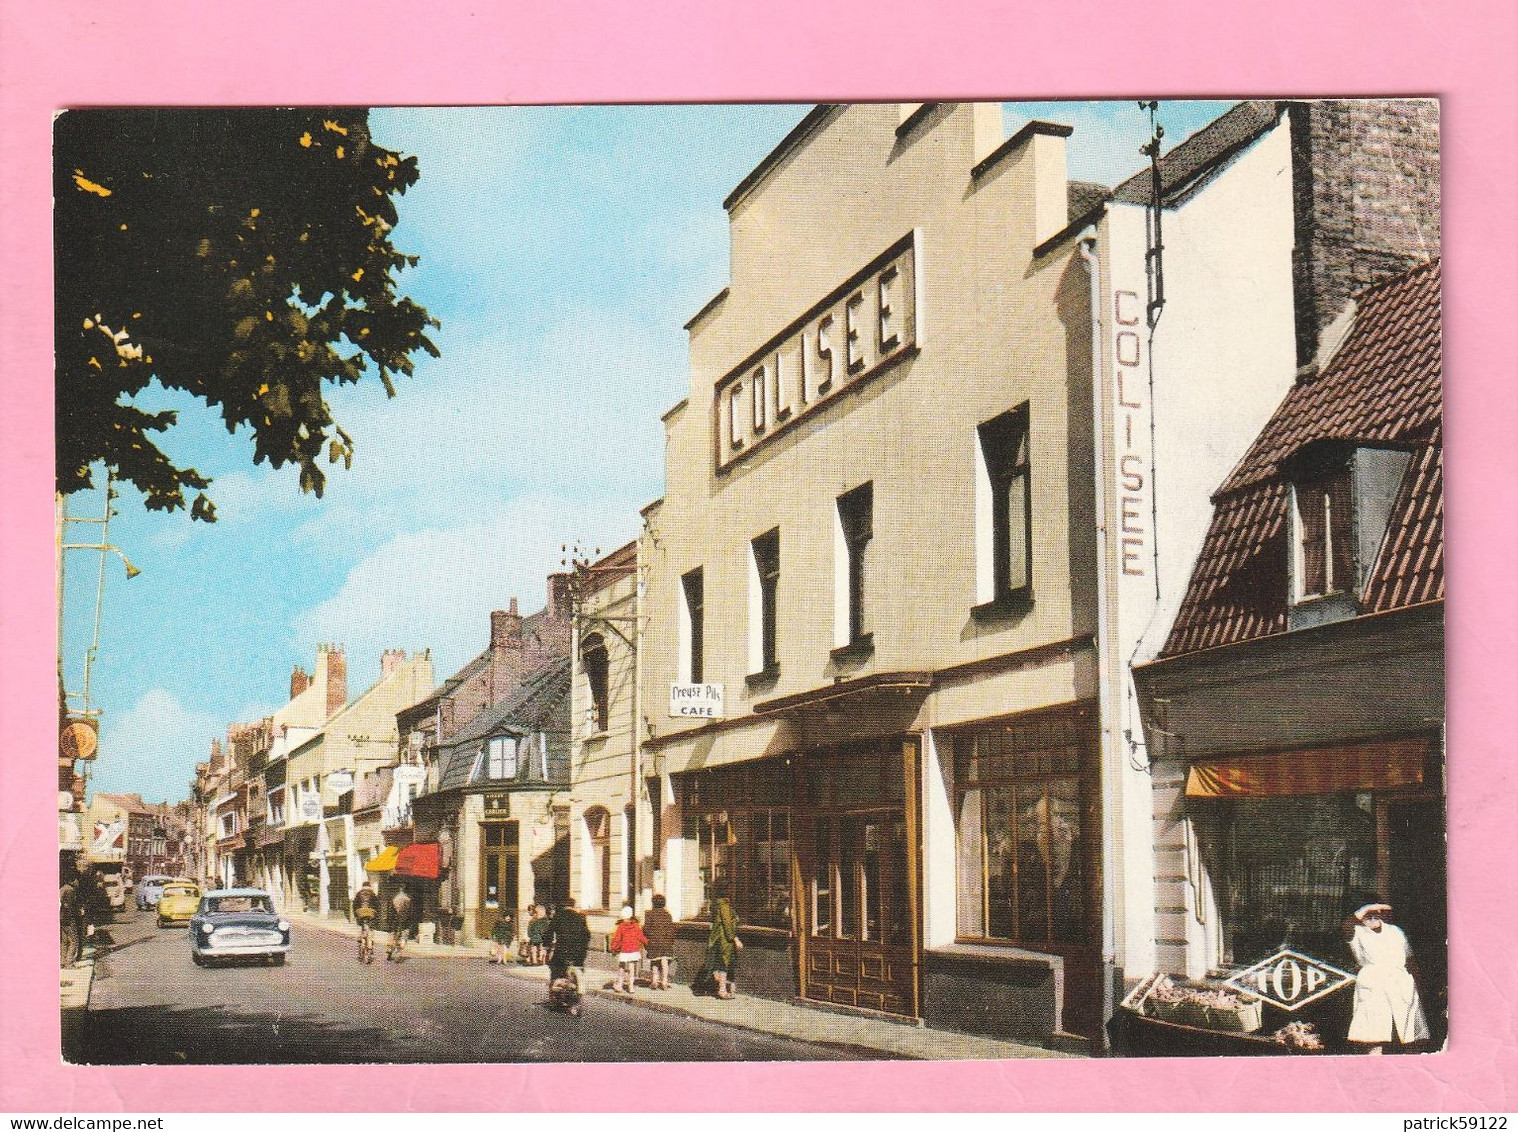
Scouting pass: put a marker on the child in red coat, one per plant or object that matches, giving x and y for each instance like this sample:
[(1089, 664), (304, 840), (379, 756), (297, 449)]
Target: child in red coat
[(627, 942)]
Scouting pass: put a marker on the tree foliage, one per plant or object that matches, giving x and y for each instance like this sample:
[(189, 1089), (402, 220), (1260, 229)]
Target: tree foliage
[(242, 256)]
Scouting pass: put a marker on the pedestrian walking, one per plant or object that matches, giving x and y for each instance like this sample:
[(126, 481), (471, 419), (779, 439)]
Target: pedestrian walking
[(1387, 1007), (568, 940), (722, 943), (627, 943), (659, 927), (400, 924)]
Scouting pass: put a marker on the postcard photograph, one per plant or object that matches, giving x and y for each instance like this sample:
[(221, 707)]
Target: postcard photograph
[(933, 581)]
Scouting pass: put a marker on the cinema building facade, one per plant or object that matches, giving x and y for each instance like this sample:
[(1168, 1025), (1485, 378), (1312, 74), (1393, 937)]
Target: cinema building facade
[(910, 528), (878, 535)]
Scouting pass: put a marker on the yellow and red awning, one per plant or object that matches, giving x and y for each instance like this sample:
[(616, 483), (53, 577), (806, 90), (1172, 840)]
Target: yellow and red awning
[(1361, 768)]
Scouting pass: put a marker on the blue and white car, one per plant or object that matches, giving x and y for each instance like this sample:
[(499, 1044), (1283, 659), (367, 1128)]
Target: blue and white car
[(238, 923), (149, 889)]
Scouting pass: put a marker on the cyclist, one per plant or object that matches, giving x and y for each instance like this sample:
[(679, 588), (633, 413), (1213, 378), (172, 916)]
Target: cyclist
[(400, 923), (365, 910), (568, 939)]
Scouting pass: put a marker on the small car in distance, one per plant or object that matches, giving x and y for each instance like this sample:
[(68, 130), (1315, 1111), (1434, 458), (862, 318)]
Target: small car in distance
[(178, 903), (149, 888), (238, 923)]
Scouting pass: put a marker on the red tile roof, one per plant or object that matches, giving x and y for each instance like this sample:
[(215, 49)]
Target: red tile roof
[(1382, 387)]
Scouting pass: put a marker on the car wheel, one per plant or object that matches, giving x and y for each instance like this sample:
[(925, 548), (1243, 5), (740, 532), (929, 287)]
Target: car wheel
[(277, 960), (198, 959)]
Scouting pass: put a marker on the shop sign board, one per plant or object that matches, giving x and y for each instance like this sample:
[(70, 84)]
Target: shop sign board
[(340, 781), (409, 775), (1291, 980), (696, 701), (109, 843), (310, 808), (70, 836)]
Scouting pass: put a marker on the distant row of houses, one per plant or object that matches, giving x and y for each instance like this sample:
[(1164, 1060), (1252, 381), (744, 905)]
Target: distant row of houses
[(1047, 591)]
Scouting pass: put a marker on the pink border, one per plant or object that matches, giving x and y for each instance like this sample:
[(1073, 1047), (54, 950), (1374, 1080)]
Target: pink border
[(316, 51)]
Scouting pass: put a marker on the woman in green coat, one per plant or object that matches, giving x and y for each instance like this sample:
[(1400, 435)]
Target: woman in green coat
[(723, 944)]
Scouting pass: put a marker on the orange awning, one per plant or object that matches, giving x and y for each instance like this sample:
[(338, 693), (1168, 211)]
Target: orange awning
[(421, 860), (1361, 768), (383, 862)]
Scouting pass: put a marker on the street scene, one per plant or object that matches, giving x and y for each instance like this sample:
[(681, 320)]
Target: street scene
[(151, 1006), (883, 580)]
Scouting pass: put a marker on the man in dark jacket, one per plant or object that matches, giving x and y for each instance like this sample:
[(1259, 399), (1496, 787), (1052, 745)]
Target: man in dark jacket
[(568, 939)]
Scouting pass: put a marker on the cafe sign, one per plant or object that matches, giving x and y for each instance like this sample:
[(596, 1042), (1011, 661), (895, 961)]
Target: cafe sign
[(1291, 980), (695, 701)]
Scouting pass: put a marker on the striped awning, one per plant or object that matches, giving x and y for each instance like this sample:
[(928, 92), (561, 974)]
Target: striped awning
[(1361, 768), (384, 861)]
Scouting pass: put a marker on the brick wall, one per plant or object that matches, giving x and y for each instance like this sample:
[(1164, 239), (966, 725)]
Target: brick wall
[(1367, 201)]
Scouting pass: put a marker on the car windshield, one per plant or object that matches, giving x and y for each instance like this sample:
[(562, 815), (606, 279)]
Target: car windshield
[(180, 890), (258, 903)]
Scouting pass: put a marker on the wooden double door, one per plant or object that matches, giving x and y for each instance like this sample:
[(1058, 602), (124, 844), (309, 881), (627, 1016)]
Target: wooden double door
[(857, 858)]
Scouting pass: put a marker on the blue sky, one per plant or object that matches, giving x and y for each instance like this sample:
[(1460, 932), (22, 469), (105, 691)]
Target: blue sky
[(563, 249)]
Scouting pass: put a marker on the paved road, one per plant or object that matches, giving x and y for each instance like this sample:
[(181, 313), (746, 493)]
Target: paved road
[(150, 1005)]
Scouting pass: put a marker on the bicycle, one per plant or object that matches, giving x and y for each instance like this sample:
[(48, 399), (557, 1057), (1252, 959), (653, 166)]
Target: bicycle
[(366, 939)]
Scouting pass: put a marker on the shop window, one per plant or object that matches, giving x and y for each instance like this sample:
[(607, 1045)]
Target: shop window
[(502, 757), (740, 821), (692, 628), (598, 872), (764, 589), (1003, 509), (854, 529), (1024, 825), (594, 660), (1290, 869)]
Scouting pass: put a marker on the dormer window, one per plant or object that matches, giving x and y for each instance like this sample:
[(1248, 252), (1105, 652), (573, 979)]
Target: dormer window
[(502, 752), (1341, 498)]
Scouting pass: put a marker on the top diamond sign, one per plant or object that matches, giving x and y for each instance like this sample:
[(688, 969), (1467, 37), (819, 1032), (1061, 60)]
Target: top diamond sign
[(1290, 980)]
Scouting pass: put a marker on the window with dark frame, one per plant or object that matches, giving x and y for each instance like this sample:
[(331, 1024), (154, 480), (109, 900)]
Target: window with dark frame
[(694, 589), (1325, 534), (856, 516), (740, 819), (594, 660), (766, 551), (1023, 827), (598, 826), (1004, 449)]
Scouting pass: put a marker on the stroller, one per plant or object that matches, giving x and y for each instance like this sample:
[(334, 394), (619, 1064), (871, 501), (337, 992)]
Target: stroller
[(564, 990)]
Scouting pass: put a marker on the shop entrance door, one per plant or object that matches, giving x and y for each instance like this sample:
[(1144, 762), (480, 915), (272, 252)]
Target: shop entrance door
[(859, 878), (498, 878)]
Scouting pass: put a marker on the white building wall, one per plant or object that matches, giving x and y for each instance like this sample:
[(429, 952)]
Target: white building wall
[(1223, 357)]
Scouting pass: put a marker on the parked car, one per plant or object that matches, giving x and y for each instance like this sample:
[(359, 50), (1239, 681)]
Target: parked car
[(178, 903), (236, 923), (150, 888), (115, 885)]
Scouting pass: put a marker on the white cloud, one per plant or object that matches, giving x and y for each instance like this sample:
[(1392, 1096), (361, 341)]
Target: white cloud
[(153, 746), (573, 413), (434, 588)]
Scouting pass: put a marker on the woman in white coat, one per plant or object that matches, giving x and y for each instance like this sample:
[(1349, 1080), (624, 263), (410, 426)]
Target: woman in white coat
[(1386, 998)]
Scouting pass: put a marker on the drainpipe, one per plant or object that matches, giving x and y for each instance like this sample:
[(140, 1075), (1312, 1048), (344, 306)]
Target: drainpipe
[(640, 824), (1106, 721)]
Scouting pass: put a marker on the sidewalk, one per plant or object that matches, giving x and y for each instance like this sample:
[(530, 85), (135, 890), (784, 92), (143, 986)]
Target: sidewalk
[(782, 1019)]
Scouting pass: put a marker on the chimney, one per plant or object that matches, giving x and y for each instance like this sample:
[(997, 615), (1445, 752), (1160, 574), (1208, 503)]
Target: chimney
[(390, 660), (506, 628), (337, 679), (300, 680), (558, 596)]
